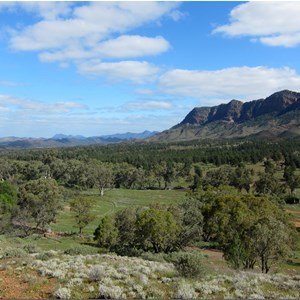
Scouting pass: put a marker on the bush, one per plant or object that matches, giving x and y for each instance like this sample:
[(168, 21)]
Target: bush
[(81, 250), (13, 252), (62, 293), (159, 257), (31, 249), (46, 255), (97, 272), (188, 264)]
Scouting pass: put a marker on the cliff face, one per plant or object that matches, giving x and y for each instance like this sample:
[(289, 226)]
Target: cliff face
[(237, 111), (276, 116)]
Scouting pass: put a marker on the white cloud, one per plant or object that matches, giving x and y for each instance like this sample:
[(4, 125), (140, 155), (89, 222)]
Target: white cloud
[(273, 23), (83, 32), (133, 46), (149, 105), (30, 107), (134, 71), (125, 46), (89, 24), (245, 83), (45, 9)]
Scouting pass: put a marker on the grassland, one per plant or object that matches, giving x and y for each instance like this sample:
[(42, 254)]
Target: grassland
[(114, 200)]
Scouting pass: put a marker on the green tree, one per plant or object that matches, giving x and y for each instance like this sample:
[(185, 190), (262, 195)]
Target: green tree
[(8, 195), (271, 240), (269, 167), (106, 233), (41, 200), (104, 177), (292, 180), (191, 221), (125, 221), (157, 230), (197, 178), (241, 178), (82, 210), (8, 200), (269, 184)]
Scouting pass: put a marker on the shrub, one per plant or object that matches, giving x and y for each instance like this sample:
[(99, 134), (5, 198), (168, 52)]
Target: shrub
[(188, 264), (13, 252), (158, 257), (31, 249), (107, 292), (46, 255), (96, 273), (186, 291), (81, 250), (62, 293)]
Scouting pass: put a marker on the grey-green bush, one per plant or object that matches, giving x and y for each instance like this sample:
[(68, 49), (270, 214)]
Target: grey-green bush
[(188, 264)]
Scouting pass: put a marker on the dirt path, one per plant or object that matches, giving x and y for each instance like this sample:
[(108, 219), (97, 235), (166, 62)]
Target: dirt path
[(14, 286)]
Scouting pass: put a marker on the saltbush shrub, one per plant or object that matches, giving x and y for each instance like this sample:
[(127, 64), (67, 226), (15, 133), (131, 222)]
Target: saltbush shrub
[(188, 264), (62, 293), (31, 249), (81, 250), (13, 252)]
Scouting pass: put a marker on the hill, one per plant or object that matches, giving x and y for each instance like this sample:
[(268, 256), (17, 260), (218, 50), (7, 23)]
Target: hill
[(62, 140), (277, 116)]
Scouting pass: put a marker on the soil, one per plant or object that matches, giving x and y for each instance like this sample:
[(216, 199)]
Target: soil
[(13, 286)]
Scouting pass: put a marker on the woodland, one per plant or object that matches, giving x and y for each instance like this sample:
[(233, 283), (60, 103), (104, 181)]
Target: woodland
[(173, 205)]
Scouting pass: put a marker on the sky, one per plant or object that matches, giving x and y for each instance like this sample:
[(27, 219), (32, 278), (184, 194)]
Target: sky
[(98, 68)]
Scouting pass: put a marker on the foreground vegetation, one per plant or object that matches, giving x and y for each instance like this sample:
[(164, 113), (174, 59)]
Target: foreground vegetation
[(145, 221)]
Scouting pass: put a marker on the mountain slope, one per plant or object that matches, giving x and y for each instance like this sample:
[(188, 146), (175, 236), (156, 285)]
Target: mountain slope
[(277, 116), (62, 140)]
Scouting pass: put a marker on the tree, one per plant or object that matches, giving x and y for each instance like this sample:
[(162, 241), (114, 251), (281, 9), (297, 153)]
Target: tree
[(104, 177), (268, 184), (245, 227), (82, 210), (157, 230), (191, 221), (8, 200), (106, 233), (241, 178), (271, 241), (8, 195), (197, 178), (269, 167), (125, 221), (41, 199), (292, 180)]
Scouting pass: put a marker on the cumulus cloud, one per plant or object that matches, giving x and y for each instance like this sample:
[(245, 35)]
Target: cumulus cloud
[(125, 46), (80, 32), (134, 71), (272, 23), (91, 24), (245, 83)]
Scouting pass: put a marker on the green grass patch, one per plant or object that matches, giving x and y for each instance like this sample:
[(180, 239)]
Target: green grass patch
[(114, 200)]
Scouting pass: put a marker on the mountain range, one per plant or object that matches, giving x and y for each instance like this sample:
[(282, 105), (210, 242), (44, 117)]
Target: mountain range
[(277, 116), (63, 140)]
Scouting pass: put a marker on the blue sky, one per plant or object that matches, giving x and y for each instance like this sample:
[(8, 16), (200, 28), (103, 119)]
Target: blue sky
[(95, 68)]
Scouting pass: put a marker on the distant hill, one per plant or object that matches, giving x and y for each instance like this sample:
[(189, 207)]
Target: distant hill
[(277, 116), (62, 140), (131, 136)]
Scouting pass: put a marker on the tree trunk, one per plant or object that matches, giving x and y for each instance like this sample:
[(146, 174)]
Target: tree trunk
[(102, 191)]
